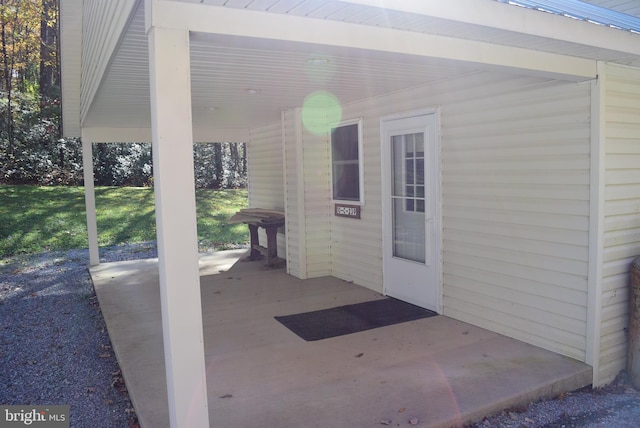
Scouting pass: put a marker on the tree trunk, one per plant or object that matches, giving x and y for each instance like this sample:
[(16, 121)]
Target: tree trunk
[(48, 37), (8, 71), (235, 163), (5, 55), (244, 159), (218, 169)]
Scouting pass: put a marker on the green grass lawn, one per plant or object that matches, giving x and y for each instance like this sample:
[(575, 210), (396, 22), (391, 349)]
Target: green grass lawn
[(35, 219)]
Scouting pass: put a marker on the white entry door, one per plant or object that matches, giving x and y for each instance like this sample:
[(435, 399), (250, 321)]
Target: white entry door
[(411, 217)]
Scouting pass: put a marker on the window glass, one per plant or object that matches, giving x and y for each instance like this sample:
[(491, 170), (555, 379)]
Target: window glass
[(345, 161)]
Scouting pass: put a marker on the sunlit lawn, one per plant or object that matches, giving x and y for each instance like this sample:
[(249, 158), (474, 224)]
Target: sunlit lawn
[(35, 219)]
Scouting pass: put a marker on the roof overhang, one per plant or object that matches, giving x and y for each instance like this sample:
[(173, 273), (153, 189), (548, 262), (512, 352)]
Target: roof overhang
[(237, 50)]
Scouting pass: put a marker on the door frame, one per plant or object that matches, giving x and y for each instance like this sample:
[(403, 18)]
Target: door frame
[(386, 195)]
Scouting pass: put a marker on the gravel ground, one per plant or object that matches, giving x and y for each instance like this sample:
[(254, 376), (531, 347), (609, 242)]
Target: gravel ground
[(55, 350), (54, 346), (616, 405)]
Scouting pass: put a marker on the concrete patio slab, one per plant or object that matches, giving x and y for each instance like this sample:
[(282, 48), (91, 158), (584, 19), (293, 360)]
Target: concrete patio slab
[(259, 374)]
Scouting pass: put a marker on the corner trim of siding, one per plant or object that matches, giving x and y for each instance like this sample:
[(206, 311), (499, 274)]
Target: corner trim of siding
[(596, 221), (302, 228)]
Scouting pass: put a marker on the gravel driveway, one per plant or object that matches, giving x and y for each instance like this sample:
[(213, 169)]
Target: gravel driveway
[(55, 350)]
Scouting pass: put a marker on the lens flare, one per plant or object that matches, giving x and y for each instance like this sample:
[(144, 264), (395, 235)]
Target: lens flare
[(319, 111)]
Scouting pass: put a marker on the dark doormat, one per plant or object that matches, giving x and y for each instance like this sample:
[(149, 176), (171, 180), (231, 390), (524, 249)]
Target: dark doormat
[(348, 319)]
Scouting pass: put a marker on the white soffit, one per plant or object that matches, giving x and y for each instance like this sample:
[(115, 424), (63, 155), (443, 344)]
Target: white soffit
[(240, 83), (225, 68)]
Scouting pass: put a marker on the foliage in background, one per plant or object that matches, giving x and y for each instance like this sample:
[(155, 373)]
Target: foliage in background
[(32, 150), (30, 146), (122, 164), (37, 156), (39, 218), (216, 165), (220, 165)]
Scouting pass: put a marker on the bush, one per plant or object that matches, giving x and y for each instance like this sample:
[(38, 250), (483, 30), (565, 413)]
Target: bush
[(31, 153)]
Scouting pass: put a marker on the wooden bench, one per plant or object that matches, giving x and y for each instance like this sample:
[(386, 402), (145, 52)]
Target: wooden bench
[(270, 220)]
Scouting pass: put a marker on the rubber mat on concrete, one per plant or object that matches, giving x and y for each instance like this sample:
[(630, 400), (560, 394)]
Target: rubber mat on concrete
[(348, 319)]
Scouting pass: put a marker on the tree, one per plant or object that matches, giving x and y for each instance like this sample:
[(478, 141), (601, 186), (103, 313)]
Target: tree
[(220, 165), (218, 169), (49, 78), (20, 47), (32, 150)]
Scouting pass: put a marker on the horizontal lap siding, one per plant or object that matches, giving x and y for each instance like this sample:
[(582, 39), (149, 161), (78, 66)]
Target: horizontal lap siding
[(317, 204), (265, 174), (356, 245), (515, 174), (265, 168), (515, 156), (306, 160), (621, 211)]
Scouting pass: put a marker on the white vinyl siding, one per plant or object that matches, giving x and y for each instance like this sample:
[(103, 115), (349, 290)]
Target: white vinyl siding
[(356, 245), (265, 174), (516, 211), (265, 168), (103, 25), (317, 198), (307, 198), (293, 205), (621, 208), (515, 203), (515, 195)]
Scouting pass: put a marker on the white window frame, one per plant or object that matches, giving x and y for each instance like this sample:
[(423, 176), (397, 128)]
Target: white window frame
[(358, 122)]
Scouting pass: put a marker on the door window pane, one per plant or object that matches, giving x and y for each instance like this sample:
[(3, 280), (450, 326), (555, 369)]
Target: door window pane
[(408, 233), (407, 175), (397, 149)]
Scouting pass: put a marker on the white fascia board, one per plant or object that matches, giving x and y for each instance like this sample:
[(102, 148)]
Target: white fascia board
[(249, 23), (517, 19)]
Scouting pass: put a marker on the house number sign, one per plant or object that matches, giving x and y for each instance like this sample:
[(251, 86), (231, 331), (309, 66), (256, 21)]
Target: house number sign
[(350, 211)]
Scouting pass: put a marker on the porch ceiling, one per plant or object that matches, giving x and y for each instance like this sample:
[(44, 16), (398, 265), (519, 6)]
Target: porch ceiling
[(242, 83)]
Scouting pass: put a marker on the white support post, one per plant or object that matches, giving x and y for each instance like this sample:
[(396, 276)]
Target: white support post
[(90, 201), (172, 136)]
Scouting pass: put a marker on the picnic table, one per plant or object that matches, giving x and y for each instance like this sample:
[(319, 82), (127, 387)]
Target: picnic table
[(270, 220)]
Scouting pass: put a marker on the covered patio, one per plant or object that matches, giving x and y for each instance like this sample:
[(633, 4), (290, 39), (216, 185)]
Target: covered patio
[(522, 186), (436, 371)]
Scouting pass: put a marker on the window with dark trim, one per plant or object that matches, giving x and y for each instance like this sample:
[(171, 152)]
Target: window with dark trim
[(345, 162)]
